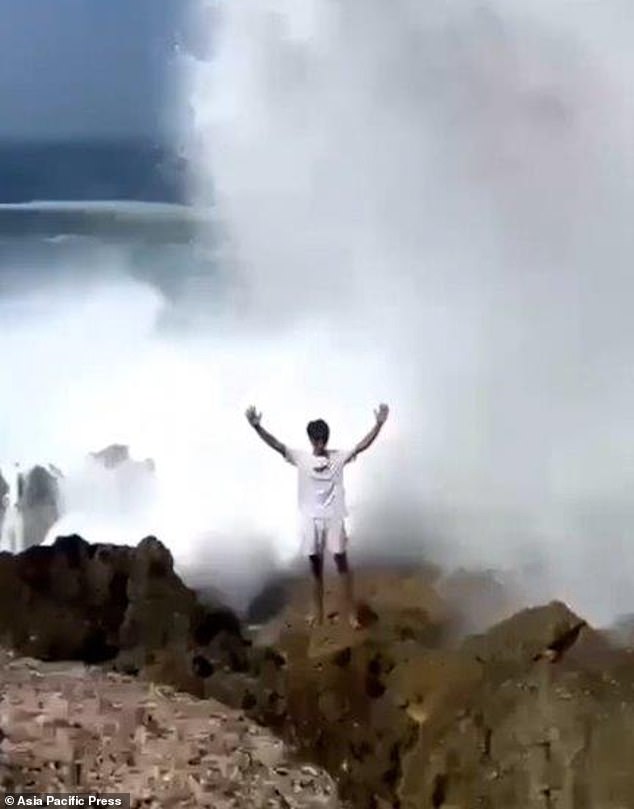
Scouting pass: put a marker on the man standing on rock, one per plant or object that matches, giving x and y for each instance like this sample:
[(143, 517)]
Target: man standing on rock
[(322, 502)]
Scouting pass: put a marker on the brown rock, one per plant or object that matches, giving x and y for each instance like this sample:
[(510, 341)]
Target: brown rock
[(4, 491), (346, 693), (80, 730), (39, 505), (514, 718), (97, 603), (112, 456), (538, 711)]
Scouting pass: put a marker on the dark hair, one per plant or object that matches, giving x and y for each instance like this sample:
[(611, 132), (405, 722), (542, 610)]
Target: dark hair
[(318, 431)]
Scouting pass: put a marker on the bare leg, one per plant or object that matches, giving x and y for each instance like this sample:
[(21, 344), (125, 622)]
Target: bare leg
[(346, 589), (317, 570)]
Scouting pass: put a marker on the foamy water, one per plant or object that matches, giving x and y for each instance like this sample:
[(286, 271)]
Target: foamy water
[(428, 205)]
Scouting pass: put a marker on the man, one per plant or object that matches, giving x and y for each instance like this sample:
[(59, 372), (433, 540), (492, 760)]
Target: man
[(322, 503)]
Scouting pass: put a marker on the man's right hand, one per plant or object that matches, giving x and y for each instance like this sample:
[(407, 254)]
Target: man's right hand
[(253, 417), (381, 414)]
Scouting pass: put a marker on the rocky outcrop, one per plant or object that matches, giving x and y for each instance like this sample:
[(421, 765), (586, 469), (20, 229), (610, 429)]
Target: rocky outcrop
[(29, 508), (128, 485), (99, 603), (76, 729), (4, 491), (537, 712), (5, 501), (38, 504), (548, 723), (118, 455), (112, 456)]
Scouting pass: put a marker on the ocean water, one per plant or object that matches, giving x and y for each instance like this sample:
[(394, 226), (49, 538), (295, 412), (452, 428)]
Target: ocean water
[(50, 242), (424, 204), (121, 322), (91, 169)]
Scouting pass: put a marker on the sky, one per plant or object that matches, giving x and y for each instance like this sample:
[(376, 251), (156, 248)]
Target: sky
[(86, 67)]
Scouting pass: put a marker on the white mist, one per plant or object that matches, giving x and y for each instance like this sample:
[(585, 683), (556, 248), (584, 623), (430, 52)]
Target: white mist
[(446, 191)]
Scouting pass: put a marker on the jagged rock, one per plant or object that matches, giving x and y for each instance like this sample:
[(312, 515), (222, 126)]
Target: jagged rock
[(75, 729), (116, 456), (38, 504), (4, 501), (536, 729), (112, 456), (98, 603), (344, 693), (126, 484), (512, 718), (29, 508), (538, 711), (159, 605)]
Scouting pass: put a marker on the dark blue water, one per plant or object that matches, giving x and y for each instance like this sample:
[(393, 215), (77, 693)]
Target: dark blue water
[(82, 210), (140, 170)]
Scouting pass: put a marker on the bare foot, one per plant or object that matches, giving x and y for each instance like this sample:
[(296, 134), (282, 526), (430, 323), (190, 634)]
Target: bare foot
[(354, 621), (314, 620)]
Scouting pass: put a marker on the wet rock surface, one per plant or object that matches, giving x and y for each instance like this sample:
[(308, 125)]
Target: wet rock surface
[(39, 504), (538, 711), (29, 508), (535, 712), (99, 603), (71, 728)]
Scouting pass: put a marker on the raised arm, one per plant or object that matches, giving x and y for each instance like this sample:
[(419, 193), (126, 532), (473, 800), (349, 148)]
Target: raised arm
[(380, 415), (254, 418)]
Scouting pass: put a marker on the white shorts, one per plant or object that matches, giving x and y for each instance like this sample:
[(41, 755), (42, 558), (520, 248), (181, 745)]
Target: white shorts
[(319, 535)]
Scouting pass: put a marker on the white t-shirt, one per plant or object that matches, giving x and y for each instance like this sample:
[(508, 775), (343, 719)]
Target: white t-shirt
[(320, 490)]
